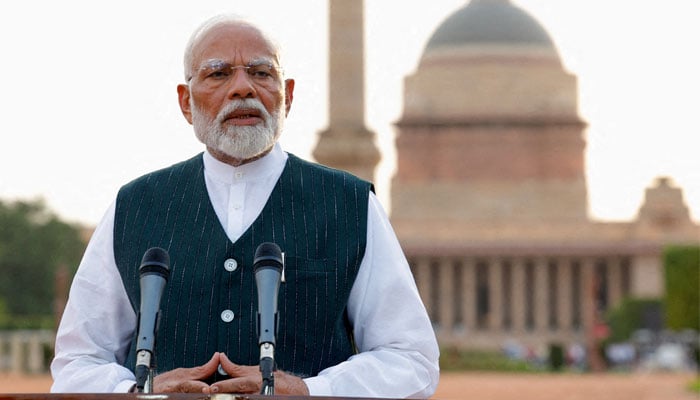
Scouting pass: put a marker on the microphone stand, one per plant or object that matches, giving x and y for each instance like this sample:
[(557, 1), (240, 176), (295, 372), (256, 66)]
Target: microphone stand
[(267, 368), (145, 371)]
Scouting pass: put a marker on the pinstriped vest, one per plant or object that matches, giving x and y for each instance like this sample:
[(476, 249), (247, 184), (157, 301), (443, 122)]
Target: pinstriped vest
[(317, 215)]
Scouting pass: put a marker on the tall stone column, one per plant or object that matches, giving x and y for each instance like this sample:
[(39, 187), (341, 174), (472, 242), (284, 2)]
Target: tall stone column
[(447, 297), (589, 286), (347, 144), (469, 294), (518, 295), (541, 291), (564, 312), (495, 295)]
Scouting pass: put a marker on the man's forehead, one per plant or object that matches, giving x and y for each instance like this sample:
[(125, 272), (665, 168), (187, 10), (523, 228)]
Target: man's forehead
[(245, 43)]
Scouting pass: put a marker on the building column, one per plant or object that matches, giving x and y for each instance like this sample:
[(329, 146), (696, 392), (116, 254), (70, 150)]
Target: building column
[(541, 290), (469, 293), (589, 313), (588, 301), (446, 295), (564, 314), (495, 269), (518, 295), (347, 143)]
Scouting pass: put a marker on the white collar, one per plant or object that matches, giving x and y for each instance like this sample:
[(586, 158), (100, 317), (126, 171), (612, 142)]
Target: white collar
[(272, 163)]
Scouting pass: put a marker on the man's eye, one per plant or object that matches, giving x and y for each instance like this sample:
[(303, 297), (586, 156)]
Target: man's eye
[(260, 72), (218, 73)]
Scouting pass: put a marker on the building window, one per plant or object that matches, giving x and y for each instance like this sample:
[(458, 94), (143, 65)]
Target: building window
[(552, 295), (625, 276), (576, 295), (506, 290), (482, 294), (529, 295), (457, 301), (600, 280)]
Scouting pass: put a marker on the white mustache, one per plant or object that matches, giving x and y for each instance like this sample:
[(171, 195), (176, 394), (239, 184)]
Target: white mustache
[(242, 104)]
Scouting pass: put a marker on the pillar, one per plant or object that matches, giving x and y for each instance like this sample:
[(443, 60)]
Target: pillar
[(347, 144), (495, 322), (564, 278), (541, 290), (518, 295), (469, 293)]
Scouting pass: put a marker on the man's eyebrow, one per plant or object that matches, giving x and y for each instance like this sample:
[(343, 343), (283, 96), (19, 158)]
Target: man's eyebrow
[(254, 61), (212, 62), (262, 60)]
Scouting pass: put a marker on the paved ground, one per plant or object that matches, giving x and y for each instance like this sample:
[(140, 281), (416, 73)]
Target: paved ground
[(490, 386)]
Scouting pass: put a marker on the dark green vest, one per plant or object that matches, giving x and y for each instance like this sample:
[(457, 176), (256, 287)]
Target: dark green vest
[(318, 217)]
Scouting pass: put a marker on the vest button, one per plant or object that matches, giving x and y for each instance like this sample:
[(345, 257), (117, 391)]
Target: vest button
[(230, 265), (227, 315)]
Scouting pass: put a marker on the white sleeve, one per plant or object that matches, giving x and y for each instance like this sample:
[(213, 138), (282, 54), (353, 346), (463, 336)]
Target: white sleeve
[(97, 325), (398, 352)]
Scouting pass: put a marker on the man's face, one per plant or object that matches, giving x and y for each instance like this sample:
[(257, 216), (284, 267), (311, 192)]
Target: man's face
[(236, 98)]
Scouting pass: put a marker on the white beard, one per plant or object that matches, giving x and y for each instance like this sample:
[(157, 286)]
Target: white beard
[(238, 142)]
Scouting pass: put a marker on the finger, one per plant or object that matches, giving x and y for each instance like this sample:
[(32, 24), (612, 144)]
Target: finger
[(206, 370), (178, 384), (194, 387), (235, 370), (242, 385)]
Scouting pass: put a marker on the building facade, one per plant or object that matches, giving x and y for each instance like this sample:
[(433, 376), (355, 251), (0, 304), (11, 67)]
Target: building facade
[(490, 201)]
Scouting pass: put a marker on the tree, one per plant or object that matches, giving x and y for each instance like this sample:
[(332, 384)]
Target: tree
[(682, 300), (33, 244), (633, 314)]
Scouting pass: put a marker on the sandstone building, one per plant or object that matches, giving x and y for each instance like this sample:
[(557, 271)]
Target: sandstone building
[(490, 199)]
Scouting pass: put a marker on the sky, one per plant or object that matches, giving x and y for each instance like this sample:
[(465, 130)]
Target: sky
[(89, 102)]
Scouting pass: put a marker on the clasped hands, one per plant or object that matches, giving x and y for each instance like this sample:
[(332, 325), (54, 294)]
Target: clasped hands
[(245, 379)]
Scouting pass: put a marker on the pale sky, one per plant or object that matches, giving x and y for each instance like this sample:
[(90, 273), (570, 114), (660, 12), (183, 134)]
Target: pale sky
[(89, 98)]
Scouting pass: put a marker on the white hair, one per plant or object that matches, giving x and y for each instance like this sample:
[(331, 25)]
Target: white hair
[(239, 142), (215, 22)]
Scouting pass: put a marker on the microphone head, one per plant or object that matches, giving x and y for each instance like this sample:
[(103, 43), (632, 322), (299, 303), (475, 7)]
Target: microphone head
[(267, 255), (155, 261)]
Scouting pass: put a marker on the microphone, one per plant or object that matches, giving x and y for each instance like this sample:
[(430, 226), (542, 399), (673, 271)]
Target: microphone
[(154, 272), (267, 267)]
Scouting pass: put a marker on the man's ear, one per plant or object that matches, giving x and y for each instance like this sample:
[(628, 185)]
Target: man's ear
[(288, 95), (183, 96)]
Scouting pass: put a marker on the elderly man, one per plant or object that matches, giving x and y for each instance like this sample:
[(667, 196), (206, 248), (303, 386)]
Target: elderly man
[(351, 320)]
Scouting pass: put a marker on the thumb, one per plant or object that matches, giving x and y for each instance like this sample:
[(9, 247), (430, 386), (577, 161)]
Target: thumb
[(207, 369)]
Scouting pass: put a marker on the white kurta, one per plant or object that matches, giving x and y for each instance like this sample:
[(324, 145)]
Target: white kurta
[(398, 350)]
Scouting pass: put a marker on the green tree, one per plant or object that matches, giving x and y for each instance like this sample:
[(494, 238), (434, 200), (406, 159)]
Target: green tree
[(682, 299), (633, 314), (33, 244)]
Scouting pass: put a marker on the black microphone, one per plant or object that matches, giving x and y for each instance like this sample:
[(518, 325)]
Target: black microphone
[(154, 272), (267, 267)]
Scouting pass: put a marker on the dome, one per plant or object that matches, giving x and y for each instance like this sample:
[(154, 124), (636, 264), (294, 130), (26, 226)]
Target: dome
[(490, 22)]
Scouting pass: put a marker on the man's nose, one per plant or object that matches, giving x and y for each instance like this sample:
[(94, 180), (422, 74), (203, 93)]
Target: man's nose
[(241, 85)]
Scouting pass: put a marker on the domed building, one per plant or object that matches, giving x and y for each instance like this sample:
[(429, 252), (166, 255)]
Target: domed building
[(489, 199)]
